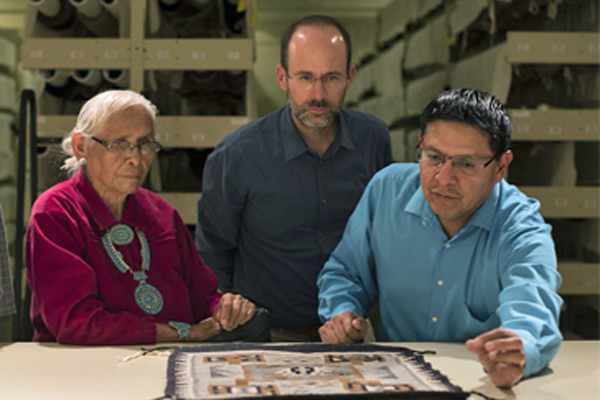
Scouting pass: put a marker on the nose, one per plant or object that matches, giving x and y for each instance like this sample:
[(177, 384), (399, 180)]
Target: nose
[(445, 174), (135, 155), (318, 90)]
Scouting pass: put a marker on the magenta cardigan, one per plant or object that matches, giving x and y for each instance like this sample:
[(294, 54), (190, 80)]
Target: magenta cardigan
[(80, 297)]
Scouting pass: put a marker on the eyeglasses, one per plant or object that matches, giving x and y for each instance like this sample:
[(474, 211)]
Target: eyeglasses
[(464, 165), (124, 148), (331, 81)]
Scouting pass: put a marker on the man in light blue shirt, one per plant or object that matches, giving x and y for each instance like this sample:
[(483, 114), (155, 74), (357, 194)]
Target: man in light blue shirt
[(449, 249)]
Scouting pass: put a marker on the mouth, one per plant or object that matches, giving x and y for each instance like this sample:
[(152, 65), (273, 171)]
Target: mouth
[(135, 177), (443, 196)]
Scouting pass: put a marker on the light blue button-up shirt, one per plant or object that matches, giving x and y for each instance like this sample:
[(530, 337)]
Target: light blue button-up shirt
[(498, 271)]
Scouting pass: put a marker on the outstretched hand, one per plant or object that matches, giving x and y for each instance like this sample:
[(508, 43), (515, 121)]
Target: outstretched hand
[(233, 310), (345, 328), (502, 355)]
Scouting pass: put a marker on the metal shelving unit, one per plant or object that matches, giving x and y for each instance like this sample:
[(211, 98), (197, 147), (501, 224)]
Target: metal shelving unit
[(138, 54), (561, 125)]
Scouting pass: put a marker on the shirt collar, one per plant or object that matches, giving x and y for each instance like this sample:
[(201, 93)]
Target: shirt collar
[(100, 213), (293, 144), (482, 217)]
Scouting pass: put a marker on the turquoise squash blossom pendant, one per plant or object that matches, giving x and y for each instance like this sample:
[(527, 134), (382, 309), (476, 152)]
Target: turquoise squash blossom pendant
[(147, 297)]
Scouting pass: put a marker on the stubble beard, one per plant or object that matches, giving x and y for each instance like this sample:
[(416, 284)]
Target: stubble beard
[(302, 113)]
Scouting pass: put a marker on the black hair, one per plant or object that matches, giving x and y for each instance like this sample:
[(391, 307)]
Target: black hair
[(314, 20), (475, 108)]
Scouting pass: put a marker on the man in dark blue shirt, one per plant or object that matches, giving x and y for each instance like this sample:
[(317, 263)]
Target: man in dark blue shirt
[(277, 192)]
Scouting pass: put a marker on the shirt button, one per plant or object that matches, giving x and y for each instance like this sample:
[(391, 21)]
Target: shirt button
[(440, 282), (324, 201), (447, 245), (434, 319)]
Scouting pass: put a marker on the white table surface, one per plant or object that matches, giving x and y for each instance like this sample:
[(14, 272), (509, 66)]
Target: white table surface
[(51, 371)]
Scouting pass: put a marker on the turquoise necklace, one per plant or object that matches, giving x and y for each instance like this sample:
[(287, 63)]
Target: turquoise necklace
[(146, 296)]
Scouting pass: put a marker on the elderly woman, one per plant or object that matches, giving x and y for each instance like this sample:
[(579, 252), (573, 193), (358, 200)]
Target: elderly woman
[(108, 262)]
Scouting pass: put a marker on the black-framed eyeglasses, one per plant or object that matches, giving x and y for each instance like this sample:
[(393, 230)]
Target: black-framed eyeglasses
[(463, 164), (124, 148), (332, 81)]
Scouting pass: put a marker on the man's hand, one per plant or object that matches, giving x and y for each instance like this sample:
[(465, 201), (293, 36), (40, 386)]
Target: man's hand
[(233, 310), (501, 353), (344, 328)]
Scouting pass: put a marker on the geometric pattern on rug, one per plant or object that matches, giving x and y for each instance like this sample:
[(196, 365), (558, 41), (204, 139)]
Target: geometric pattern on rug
[(304, 371)]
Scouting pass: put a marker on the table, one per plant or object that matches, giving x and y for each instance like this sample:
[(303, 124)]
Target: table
[(52, 371)]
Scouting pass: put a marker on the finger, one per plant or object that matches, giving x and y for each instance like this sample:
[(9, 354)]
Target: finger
[(234, 311), (507, 375), (361, 327), (505, 344), (354, 328), (249, 311), (335, 329), (476, 346), (239, 312), (343, 329), (508, 357), (327, 335), (223, 311), (487, 364)]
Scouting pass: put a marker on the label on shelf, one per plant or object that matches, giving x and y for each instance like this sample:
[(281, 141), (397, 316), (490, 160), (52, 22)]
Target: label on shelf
[(111, 55), (198, 137)]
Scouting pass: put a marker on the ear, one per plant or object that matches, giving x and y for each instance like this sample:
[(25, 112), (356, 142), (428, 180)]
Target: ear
[(79, 145), (281, 75), (503, 164), (351, 75)]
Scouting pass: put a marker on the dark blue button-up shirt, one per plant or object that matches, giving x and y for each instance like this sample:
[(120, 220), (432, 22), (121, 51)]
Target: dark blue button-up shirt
[(272, 210)]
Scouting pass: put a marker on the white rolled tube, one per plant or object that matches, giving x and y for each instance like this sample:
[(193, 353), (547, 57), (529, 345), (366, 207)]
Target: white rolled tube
[(55, 77), (113, 6), (50, 8), (118, 77), (89, 8), (87, 77)]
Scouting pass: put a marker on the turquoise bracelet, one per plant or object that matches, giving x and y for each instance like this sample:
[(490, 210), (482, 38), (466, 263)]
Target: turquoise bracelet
[(183, 329)]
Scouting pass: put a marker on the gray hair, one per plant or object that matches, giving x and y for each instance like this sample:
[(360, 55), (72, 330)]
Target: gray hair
[(95, 112)]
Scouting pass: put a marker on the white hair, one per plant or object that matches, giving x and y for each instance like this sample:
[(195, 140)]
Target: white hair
[(98, 110)]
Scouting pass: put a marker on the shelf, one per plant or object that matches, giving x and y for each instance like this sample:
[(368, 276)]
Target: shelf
[(173, 54), (555, 125), (171, 132), (196, 131), (76, 53), (553, 48), (566, 202), (185, 204), (579, 278), (207, 54)]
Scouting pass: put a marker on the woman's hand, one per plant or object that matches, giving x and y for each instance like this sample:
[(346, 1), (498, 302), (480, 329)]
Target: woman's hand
[(204, 330), (233, 310)]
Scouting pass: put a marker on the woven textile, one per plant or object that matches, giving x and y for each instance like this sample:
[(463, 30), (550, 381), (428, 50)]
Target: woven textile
[(7, 297), (311, 371)]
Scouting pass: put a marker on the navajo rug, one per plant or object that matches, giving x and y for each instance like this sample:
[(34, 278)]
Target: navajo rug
[(304, 371)]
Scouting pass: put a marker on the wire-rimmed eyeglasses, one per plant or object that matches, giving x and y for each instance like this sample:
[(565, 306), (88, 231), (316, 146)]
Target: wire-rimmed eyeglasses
[(124, 148)]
